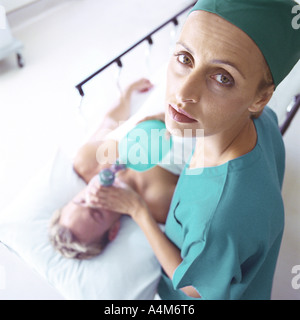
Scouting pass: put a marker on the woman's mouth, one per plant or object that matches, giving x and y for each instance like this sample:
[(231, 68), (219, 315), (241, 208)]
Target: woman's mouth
[(180, 115)]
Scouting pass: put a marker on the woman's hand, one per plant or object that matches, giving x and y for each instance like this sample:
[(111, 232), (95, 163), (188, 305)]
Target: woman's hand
[(120, 198), (123, 199)]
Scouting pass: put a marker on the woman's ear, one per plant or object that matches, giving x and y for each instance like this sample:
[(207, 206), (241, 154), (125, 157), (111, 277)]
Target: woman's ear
[(262, 99), (113, 231)]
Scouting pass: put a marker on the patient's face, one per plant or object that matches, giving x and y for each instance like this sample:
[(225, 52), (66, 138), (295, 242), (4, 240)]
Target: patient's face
[(89, 224)]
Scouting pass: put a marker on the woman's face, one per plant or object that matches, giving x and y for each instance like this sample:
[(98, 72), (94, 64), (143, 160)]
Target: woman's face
[(213, 77)]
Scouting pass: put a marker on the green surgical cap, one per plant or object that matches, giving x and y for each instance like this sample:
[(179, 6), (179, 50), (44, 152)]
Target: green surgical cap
[(269, 24)]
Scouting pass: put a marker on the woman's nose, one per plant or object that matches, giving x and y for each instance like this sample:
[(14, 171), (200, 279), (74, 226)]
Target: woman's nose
[(189, 90)]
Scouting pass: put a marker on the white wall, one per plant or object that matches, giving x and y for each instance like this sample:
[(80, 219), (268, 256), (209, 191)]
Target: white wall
[(11, 5)]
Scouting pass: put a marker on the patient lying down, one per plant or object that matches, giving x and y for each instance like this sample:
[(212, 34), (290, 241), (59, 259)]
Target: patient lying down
[(81, 230)]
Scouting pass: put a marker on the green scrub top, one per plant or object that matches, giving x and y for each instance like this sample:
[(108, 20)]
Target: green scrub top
[(228, 222)]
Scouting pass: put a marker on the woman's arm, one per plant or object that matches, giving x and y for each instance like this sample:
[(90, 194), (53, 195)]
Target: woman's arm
[(166, 252), (125, 200)]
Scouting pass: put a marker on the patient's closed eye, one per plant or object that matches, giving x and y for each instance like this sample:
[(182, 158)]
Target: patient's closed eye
[(80, 202)]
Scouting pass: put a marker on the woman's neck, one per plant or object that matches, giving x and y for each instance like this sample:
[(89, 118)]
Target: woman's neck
[(214, 150)]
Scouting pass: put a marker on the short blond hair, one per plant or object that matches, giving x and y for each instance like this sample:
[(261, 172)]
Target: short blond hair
[(64, 241)]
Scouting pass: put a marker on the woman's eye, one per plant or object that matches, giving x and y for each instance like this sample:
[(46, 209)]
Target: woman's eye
[(184, 59), (223, 79)]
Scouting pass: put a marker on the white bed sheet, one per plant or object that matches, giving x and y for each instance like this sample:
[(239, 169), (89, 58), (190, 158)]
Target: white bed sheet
[(127, 269)]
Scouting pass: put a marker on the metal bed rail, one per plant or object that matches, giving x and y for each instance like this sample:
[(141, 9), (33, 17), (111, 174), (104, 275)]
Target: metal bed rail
[(291, 112), (291, 109), (147, 38)]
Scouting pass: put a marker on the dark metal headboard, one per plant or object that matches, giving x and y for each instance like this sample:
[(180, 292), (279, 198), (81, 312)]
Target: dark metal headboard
[(147, 38), (291, 112)]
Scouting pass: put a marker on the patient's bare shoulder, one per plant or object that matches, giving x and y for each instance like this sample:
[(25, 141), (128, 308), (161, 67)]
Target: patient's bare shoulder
[(156, 186)]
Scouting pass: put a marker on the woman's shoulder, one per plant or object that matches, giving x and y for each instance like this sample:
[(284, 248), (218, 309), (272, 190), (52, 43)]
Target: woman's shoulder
[(268, 122)]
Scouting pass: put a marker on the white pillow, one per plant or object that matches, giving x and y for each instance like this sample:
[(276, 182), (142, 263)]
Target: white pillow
[(127, 269)]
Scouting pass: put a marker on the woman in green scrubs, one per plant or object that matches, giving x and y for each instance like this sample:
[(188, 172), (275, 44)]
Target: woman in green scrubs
[(225, 223)]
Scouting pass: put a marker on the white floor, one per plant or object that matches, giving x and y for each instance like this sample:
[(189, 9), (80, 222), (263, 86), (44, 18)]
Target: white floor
[(65, 41)]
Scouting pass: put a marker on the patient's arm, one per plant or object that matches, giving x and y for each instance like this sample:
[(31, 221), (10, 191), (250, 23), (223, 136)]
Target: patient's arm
[(87, 162)]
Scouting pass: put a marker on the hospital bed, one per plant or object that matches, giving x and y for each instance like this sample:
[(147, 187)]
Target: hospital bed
[(127, 269)]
